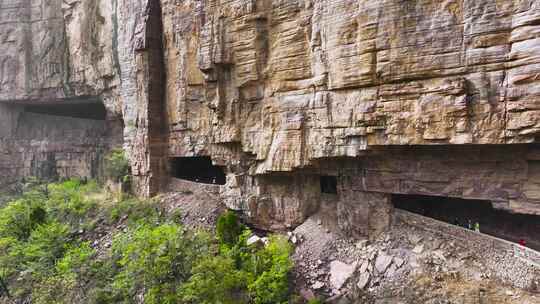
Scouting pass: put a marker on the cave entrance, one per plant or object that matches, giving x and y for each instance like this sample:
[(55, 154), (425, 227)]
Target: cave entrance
[(457, 211), (328, 184), (93, 110), (197, 169)]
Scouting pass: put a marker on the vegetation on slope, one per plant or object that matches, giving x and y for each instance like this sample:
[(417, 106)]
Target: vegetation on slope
[(50, 253)]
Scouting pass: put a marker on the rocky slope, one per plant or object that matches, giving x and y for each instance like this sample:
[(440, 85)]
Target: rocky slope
[(419, 260), (409, 264)]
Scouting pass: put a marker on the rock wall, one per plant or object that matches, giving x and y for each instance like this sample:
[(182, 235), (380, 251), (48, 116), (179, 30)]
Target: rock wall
[(56, 52), (281, 92), (51, 147)]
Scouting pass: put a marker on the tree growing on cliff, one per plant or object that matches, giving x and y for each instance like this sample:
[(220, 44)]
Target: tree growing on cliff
[(117, 166)]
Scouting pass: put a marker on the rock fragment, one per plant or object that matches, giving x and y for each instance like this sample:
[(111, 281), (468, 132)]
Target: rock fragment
[(382, 262), (363, 280), (339, 273)]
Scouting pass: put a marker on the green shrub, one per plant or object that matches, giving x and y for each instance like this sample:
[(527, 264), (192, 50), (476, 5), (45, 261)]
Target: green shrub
[(242, 274), (69, 279), (117, 165), (157, 260), (19, 218), (43, 255), (136, 211), (216, 280), (229, 228), (272, 266), (315, 301), (45, 246), (76, 263), (71, 201), (9, 261)]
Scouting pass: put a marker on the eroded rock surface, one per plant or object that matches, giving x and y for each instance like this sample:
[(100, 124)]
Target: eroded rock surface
[(431, 97)]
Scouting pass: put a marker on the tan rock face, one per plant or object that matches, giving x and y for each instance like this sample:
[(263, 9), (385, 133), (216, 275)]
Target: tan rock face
[(281, 92), (51, 53)]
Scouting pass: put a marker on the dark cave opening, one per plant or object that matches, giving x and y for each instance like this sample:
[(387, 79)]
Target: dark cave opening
[(457, 211), (197, 169), (328, 184), (84, 110)]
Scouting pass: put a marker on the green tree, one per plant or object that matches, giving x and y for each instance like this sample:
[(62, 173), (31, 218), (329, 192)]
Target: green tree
[(215, 280), (229, 228), (272, 268), (156, 259), (117, 165)]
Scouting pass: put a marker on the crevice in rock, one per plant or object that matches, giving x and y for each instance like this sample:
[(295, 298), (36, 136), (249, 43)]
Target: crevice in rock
[(84, 110)]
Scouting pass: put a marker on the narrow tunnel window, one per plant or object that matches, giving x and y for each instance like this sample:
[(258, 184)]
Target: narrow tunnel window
[(495, 222), (84, 110), (329, 184), (197, 169)]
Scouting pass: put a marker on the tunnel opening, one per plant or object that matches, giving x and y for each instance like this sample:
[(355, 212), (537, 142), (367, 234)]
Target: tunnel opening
[(328, 184), (197, 169), (84, 110), (498, 223)]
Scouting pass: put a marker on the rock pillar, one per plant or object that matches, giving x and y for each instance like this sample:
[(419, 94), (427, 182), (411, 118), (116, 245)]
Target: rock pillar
[(363, 214), (143, 82)]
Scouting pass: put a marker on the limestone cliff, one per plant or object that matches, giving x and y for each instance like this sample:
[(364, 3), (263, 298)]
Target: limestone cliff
[(391, 96)]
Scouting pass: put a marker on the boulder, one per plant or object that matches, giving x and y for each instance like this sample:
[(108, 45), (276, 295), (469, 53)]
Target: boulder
[(339, 273), (363, 280), (364, 267), (253, 240), (382, 262)]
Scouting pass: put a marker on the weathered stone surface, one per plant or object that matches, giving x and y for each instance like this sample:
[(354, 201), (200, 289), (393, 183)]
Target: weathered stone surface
[(56, 52), (282, 92), (382, 262), (418, 249), (50, 146), (339, 273), (363, 280)]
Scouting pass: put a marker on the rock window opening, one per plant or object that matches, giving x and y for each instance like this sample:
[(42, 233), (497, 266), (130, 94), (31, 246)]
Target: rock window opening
[(84, 110), (495, 222), (197, 169), (329, 184)]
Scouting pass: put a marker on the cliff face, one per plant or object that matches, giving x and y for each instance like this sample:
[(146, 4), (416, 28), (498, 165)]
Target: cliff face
[(415, 97), (57, 70)]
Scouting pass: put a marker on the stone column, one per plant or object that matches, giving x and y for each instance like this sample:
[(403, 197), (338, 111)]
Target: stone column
[(363, 214), (143, 79)]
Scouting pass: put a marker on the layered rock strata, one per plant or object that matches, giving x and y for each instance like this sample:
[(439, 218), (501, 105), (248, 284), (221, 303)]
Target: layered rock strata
[(52, 146), (284, 92)]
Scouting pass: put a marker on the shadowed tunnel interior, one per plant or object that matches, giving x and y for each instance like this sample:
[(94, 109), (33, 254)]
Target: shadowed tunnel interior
[(84, 110), (328, 184), (498, 223), (197, 169)]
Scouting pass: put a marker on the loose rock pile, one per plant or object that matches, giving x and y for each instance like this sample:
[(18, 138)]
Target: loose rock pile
[(404, 264)]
